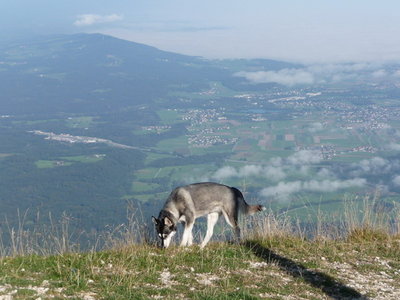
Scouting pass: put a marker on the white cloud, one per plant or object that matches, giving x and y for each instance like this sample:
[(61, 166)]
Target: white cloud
[(325, 173), (396, 180), (305, 157), (284, 189), (276, 161), (92, 19), (276, 169), (288, 77), (375, 163), (332, 185), (224, 173), (309, 176), (250, 170), (321, 73), (315, 127), (393, 147), (373, 166), (274, 173), (379, 73)]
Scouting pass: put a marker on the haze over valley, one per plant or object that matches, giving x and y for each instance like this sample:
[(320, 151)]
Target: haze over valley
[(91, 123)]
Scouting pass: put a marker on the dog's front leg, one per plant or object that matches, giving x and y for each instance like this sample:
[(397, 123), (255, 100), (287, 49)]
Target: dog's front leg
[(212, 219), (187, 238)]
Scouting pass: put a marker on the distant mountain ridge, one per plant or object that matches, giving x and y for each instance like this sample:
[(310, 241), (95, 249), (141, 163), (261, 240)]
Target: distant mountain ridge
[(89, 72), (94, 73)]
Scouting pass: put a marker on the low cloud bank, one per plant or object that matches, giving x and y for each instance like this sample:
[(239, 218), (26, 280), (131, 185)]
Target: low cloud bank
[(284, 189), (393, 147), (288, 77), (320, 74), (303, 172), (92, 19), (305, 157), (271, 172), (276, 170), (374, 166)]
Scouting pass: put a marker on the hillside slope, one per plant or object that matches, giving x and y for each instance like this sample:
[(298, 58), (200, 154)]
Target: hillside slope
[(97, 73), (91, 73), (274, 268)]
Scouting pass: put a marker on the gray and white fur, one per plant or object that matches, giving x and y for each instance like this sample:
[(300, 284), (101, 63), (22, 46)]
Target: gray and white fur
[(187, 203)]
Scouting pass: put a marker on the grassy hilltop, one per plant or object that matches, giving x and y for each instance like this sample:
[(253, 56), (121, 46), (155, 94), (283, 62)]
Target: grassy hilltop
[(274, 261)]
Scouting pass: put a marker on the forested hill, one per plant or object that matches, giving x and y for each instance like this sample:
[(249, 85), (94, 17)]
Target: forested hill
[(90, 73), (97, 73)]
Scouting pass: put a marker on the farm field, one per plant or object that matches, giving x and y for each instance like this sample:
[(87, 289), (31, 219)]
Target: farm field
[(259, 155), (68, 161)]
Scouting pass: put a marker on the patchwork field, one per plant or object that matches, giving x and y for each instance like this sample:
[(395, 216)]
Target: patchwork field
[(261, 153)]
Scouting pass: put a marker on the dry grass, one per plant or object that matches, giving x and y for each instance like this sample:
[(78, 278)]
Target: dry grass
[(355, 256), (362, 220)]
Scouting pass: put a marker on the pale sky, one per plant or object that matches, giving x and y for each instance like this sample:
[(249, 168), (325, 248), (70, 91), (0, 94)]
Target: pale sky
[(321, 31)]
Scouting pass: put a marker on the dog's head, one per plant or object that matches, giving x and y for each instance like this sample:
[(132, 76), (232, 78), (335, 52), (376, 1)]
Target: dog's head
[(166, 229)]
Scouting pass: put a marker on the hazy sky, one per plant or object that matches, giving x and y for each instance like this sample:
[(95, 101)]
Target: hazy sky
[(307, 30)]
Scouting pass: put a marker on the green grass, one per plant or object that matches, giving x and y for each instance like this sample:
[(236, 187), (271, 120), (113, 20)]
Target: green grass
[(175, 144), (85, 158), (216, 89), (174, 172), (140, 187), (68, 161), (342, 143), (36, 122), (150, 157), (80, 122), (47, 164), (213, 149), (143, 189), (147, 173), (273, 268), (169, 116)]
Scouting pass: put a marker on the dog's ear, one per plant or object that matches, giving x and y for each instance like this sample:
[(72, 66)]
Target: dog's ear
[(155, 220), (168, 222)]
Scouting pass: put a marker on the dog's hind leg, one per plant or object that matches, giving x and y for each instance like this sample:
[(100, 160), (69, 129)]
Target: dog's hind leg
[(237, 233), (232, 220), (190, 237), (212, 219)]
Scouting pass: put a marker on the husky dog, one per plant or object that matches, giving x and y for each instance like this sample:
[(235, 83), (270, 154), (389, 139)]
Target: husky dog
[(186, 203)]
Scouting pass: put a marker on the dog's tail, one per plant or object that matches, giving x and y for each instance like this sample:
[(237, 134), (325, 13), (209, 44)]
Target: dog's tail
[(252, 209), (248, 209)]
